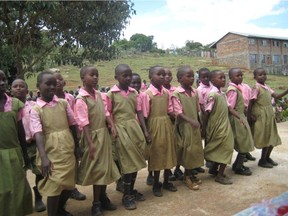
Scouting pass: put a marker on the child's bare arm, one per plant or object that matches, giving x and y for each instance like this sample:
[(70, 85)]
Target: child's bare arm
[(76, 143), (89, 141), (279, 96), (143, 126), (234, 113), (204, 124), (194, 123), (112, 125), (251, 118), (23, 144), (46, 165)]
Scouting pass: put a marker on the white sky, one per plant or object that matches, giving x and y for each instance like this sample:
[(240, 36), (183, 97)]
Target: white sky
[(172, 22)]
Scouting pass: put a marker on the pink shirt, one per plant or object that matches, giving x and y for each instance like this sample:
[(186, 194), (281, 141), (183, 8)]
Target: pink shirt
[(155, 92), (177, 105), (171, 90), (255, 91), (246, 93), (70, 99), (210, 101), (35, 121), (8, 107), (26, 119), (232, 95), (203, 91), (125, 94), (143, 87), (81, 109), (140, 104)]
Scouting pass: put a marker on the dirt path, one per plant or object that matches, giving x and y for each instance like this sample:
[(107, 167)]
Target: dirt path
[(211, 199)]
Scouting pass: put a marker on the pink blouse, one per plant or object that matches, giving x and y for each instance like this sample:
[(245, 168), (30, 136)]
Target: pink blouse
[(26, 119), (8, 107), (70, 99), (171, 90), (255, 91), (35, 121), (203, 91), (232, 95), (210, 101)]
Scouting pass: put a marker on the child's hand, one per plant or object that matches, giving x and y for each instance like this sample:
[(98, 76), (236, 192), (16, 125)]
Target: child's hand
[(241, 121), (77, 153), (92, 151), (114, 132), (148, 137), (46, 167), (194, 123)]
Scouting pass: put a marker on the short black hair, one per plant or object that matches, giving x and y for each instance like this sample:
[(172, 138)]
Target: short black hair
[(213, 73), (136, 74), (26, 86), (231, 71), (256, 70), (40, 76), (182, 70), (85, 69), (153, 69), (201, 70), (119, 68)]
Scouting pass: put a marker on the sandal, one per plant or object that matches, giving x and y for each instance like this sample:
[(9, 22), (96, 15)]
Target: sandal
[(190, 184), (170, 187), (225, 180)]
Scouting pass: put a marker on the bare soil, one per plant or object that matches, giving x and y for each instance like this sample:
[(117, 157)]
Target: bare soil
[(212, 198)]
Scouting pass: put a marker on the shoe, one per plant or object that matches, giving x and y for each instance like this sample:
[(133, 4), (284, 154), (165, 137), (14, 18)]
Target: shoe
[(77, 195), (120, 186), (209, 164), (178, 174), (96, 209), (39, 205), (63, 212), (196, 180), (190, 184), (269, 160), (157, 190), (245, 160), (223, 180), (200, 170), (171, 176), (169, 186), (128, 202), (138, 196), (150, 180), (194, 172), (243, 171), (250, 157), (106, 204), (213, 171), (264, 164)]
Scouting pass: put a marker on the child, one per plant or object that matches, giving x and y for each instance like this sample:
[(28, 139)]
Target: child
[(15, 193), (262, 118), (219, 135), (97, 167), (189, 141), (178, 174), (19, 90), (130, 143), (158, 107), (243, 141), (60, 93), (51, 123)]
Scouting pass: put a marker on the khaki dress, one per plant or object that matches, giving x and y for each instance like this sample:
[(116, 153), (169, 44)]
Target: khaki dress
[(162, 152), (264, 130), (130, 143), (243, 141), (59, 147), (102, 169), (15, 192), (219, 135), (189, 142)]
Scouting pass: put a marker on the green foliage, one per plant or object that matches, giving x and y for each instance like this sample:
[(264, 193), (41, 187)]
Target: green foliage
[(142, 42), (285, 113), (192, 45)]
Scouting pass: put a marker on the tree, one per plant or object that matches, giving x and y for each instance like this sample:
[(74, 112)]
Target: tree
[(30, 31), (192, 45), (142, 42)]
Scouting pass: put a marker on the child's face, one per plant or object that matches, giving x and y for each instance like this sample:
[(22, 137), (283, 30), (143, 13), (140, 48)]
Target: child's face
[(157, 77), (136, 83), (187, 79), (204, 77), (3, 82), (91, 78), (124, 77), (219, 79), (261, 76), (168, 77), (60, 81), (19, 89), (236, 76), (47, 87)]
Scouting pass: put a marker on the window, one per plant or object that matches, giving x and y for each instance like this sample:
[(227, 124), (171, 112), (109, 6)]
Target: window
[(252, 41), (285, 59), (276, 59), (253, 58), (262, 59), (285, 44), (276, 43), (264, 43)]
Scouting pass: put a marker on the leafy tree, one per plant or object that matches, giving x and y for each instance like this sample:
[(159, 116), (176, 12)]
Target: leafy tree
[(192, 45), (142, 42), (30, 32)]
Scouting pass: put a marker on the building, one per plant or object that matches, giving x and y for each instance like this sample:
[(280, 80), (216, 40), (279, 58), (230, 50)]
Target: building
[(251, 51)]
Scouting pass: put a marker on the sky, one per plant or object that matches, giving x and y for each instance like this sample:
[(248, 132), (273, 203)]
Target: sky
[(173, 22)]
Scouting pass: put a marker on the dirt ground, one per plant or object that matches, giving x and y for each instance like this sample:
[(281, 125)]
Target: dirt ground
[(212, 198)]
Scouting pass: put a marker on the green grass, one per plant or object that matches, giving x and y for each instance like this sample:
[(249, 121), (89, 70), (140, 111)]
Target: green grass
[(141, 65)]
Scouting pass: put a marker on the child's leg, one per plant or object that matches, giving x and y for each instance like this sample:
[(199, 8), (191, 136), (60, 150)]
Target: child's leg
[(105, 201), (238, 166), (128, 199), (166, 184), (96, 204), (150, 178), (187, 178), (65, 195), (268, 158), (39, 205), (263, 160), (178, 174), (138, 196), (157, 186), (213, 170), (221, 177), (52, 205)]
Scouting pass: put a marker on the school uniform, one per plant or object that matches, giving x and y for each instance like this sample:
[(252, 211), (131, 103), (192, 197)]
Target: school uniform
[(189, 142), (162, 152), (15, 192), (219, 135), (264, 130), (53, 120), (101, 170), (130, 143)]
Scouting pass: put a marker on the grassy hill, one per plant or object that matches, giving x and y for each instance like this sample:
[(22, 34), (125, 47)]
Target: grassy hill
[(141, 65)]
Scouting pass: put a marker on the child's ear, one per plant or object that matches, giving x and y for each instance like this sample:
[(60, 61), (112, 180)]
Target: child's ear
[(115, 77)]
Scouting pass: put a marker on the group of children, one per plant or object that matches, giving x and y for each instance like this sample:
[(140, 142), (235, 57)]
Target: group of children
[(99, 138)]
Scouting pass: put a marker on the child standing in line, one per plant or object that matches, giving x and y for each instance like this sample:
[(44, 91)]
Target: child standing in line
[(130, 143), (97, 167), (60, 93), (15, 192), (19, 90), (218, 131), (189, 142), (178, 174), (51, 123), (158, 107), (262, 118), (243, 141)]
